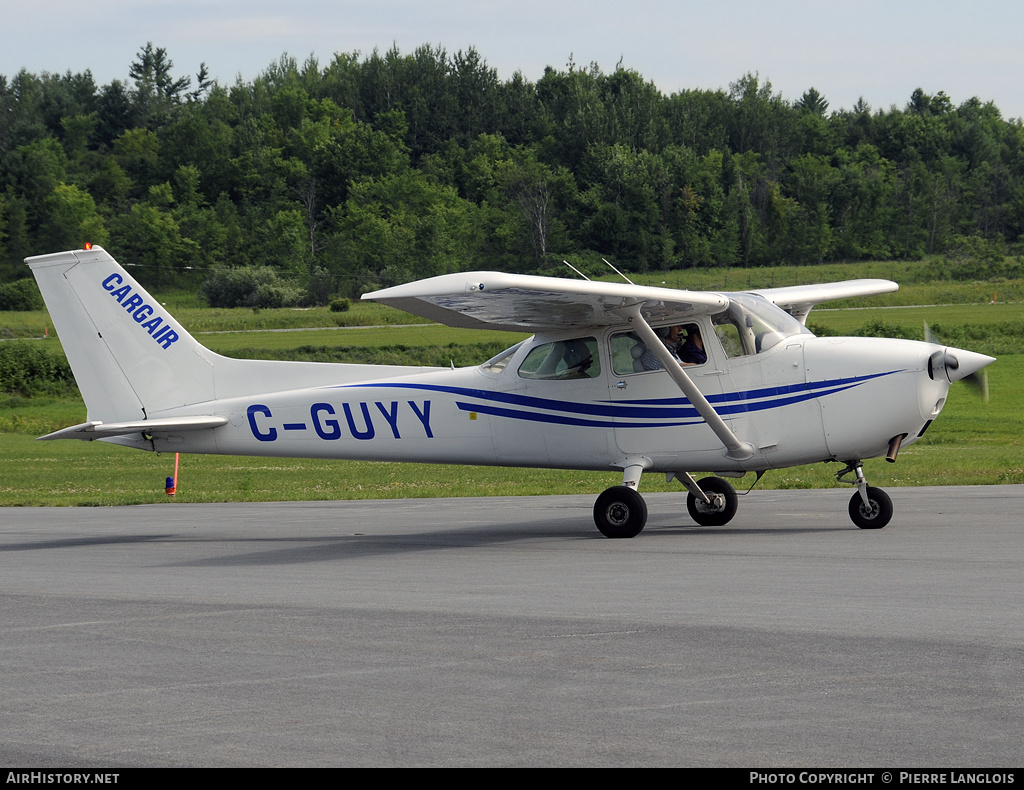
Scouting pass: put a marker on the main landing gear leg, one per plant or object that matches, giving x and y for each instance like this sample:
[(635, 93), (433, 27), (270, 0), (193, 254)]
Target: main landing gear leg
[(712, 502), (620, 512), (870, 508)]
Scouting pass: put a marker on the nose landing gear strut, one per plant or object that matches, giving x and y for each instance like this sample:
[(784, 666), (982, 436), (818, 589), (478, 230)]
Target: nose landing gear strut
[(870, 507)]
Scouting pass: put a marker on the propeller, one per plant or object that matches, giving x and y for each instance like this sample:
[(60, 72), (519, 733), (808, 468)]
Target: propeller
[(960, 365)]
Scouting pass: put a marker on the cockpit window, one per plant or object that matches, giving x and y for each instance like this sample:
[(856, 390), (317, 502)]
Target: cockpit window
[(753, 325), (563, 359)]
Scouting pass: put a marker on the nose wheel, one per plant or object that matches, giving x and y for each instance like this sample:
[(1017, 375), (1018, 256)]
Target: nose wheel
[(874, 514), (870, 507)]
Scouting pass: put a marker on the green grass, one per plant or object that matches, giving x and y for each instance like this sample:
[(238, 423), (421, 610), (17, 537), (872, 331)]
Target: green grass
[(36, 416), (18, 323), (80, 473), (209, 319), (997, 330), (269, 344)]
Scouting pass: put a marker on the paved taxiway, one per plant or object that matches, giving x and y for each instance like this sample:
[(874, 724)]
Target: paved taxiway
[(508, 632)]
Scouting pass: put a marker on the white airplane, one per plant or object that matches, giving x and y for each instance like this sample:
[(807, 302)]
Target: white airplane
[(595, 388)]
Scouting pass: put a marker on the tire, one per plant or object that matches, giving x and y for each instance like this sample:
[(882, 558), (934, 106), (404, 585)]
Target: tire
[(874, 517), (620, 512), (723, 507)]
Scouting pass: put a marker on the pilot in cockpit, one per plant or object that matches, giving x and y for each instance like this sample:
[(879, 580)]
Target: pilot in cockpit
[(688, 352)]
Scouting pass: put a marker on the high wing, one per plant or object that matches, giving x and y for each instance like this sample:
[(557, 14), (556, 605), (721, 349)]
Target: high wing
[(799, 300), (516, 302)]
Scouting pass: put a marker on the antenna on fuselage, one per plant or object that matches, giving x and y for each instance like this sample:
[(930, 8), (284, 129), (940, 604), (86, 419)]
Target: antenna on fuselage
[(581, 274), (624, 277)]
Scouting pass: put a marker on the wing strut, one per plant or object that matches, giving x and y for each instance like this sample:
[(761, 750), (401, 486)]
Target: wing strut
[(735, 449)]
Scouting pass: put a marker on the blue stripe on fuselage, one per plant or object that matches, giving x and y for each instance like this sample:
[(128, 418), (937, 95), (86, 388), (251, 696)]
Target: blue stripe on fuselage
[(632, 413)]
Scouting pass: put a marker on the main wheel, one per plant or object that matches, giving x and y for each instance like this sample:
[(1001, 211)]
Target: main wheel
[(721, 508), (620, 512), (875, 516)]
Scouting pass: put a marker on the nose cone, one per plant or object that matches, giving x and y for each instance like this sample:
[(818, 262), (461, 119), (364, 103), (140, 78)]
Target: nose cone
[(960, 363)]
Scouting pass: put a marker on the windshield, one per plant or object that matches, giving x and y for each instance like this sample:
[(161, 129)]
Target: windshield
[(496, 364), (752, 324)]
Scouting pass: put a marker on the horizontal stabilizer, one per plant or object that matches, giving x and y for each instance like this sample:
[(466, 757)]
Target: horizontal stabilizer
[(89, 431)]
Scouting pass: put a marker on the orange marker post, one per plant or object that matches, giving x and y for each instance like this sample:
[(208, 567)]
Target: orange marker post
[(171, 485)]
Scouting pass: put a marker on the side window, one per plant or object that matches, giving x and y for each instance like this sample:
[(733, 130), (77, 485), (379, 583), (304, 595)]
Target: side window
[(626, 351), (563, 359), (684, 341)]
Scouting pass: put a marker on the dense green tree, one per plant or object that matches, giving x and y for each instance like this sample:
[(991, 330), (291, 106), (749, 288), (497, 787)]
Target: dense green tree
[(115, 113), (157, 91), (761, 121), (633, 191), (71, 219), (397, 228), (810, 182), (197, 221), (698, 120), (137, 153), (373, 169), (861, 204), (198, 139), (812, 102)]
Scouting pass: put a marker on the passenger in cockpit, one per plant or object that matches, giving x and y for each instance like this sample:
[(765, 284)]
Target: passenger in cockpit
[(692, 352)]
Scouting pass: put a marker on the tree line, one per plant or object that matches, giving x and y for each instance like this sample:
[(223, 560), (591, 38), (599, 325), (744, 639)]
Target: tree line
[(373, 170)]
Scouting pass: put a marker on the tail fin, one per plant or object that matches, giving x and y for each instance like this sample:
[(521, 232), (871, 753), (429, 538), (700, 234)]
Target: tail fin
[(130, 357)]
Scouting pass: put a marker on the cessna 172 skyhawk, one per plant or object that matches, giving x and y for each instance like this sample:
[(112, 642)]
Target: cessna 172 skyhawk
[(595, 388)]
